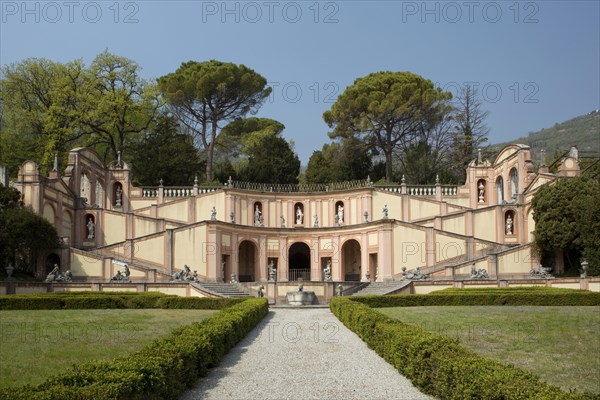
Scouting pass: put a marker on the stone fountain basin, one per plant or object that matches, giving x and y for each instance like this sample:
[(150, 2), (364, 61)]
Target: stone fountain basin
[(304, 298)]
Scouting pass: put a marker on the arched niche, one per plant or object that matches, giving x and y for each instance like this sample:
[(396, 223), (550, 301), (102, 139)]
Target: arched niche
[(509, 223), (298, 213), (500, 190), (482, 191), (257, 210), (89, 227), (117, 194)]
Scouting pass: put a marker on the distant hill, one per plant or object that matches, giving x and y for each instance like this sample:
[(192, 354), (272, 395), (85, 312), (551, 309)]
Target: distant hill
[(582, 131)]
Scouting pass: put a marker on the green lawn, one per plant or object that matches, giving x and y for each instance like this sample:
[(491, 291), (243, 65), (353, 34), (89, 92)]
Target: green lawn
[(559, 344), (35, 344)]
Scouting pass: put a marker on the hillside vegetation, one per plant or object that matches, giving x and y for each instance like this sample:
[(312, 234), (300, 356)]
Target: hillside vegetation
[(582, 131)]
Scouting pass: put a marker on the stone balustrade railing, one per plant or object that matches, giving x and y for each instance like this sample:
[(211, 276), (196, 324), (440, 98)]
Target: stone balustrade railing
[(413, 190)]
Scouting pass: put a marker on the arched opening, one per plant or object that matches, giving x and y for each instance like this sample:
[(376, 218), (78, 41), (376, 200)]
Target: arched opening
[(247, 261), (90, 227), (339, 217), (514, 183), (351, 263), (117, 195), (49, 214), (51, 260), (500, 189), (299, 213), (85, 188), (299, 262), (509, 223), (258, 213), (65, 231), (481, 191)]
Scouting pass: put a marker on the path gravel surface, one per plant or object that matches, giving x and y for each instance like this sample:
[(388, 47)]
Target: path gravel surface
[(303, 354)]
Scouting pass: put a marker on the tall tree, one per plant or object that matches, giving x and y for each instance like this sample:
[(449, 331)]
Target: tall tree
[(38, 99), (205, 95), (115, 103), (165, 153), (383, 109), (271, 160), (345, 160), (470, 125), (566, 219)]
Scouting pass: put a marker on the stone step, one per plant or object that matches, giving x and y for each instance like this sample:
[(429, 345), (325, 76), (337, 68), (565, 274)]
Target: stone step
[(381, 288)]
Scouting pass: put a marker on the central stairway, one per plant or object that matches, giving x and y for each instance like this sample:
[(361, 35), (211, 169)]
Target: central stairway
[(381, 288), (222, 289)]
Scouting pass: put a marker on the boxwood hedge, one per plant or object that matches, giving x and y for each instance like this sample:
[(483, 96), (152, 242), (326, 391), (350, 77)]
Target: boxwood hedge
[(161, 370), (439, 365)]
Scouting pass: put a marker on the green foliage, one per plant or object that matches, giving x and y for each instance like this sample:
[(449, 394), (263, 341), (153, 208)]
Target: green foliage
[(581, 130), (161, 370), (201, 303), (82, 300), (439, 365), (346, 160), (22, 233), (500, 297), (567, 219), (384, 109), (271, 160), (165, 153), (204, 95)]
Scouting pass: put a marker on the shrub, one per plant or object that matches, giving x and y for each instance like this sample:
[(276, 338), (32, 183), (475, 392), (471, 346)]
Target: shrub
[(439, 365)]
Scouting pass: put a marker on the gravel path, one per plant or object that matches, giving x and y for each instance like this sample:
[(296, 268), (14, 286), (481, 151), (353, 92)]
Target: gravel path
[(303, 354)]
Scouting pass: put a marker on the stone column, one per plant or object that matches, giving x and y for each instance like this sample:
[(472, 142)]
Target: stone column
[(261, 265), (336, 260), (283, 264), (364, 257), (430, 247), (234, 259), (315, 261), (168, 251), (384, 258), (212, 254)]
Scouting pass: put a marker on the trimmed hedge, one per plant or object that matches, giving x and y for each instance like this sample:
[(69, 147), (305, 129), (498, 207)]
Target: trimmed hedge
[(502, 297), (202, 303), (439, 365), (161, 370), (81, 300)]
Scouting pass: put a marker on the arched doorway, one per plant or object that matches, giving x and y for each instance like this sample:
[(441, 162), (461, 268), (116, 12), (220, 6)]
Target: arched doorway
[(500, 190), (247, 261), (51, 260), (351, 260), (299, 262)]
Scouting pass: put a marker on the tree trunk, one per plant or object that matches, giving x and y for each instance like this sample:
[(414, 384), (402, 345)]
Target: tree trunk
[(209, 161), (388, 165)]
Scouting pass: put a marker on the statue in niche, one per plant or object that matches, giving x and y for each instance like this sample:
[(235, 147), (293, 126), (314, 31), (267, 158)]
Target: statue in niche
[(299, 216), (282, 219), (118, 196), (385, 212), (257, 216), (272, 271), (90, 228), (316, 224), (340, 214), (509, 225), (481, 192), (327, 271), (213, 214)]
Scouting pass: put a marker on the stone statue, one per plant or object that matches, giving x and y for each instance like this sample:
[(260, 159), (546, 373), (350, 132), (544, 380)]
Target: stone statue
[(272, 271), (368, 275), (366, 217), (282, 219), (300, 287), (340, 290), (185, 275), (232, 218), (233, 279), (118, 196), (122, 276), (478, 273), (414, 275), (509, 225), (585, 266), (261, 291), (337, 220), (299, 216), (385, 212), (481, 192), (56, 276), (316, 225), (90, 228), (541, 272), (213, 214), (257, 215), (327, 271), (340, 214), (261, 221)]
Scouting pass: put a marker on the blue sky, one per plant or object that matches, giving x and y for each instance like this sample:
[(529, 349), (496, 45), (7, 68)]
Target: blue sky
[(536, 62)]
